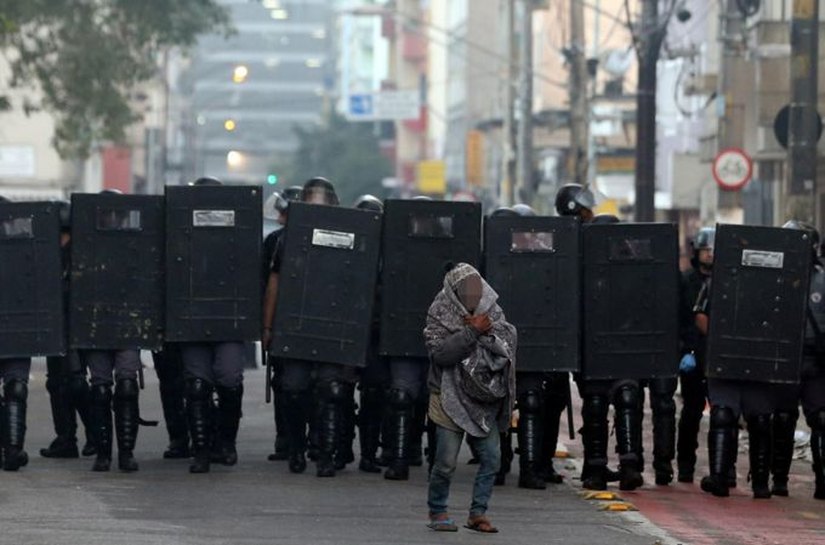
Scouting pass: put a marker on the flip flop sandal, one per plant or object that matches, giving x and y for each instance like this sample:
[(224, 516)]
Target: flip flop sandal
[(481, 525), (443, 525)]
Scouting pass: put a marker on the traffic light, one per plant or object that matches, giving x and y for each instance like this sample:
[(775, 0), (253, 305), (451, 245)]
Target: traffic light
[(272, 179)]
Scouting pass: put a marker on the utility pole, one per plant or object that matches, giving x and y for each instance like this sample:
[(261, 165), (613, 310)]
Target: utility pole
[(579, 118), (733, 86), (524, 164), (649, 43), (508, 164), (802, 130)]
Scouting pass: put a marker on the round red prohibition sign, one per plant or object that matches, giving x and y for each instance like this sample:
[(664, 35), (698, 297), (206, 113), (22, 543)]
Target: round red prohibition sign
[(732, 169)]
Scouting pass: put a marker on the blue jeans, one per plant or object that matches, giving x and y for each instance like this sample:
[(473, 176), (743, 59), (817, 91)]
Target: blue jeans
[(448, 444)]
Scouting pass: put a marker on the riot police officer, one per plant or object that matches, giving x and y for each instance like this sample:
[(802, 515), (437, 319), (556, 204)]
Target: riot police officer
[(811, 391), (118, 368), (14, 374), (298, 375), (66, 380), (597, 395), (692, 365), (172, 387), (729, 400), (281, 208), (373, 379), (209, 368)]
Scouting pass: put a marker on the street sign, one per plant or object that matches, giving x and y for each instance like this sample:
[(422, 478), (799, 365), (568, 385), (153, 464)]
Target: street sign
[(732, 169), (384, 106), (782, 121)]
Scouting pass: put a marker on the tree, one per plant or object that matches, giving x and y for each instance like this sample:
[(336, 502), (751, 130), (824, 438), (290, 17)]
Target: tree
[(346, 153), (87, 56)]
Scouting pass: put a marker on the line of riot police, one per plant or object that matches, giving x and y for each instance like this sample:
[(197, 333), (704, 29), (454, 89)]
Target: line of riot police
[(345, 295)]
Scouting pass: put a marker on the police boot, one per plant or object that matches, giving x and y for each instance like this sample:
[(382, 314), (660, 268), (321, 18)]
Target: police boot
[(784, 426), (594, 439), (552, 415), (401, 404), (127, 420), (415, 453), (281, 447), (65, 443), (15, 392), (721, 451), (530, 434), (172, 394), (628, 437), (343, 452), (664, 428), (100, 412), (332, 400), (81, 399), (759, 439), (369, 427), (296, 406), (817, 424), (229, 417), (199, 411)]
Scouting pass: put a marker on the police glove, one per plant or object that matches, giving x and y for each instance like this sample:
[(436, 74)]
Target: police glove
[(688, 363)]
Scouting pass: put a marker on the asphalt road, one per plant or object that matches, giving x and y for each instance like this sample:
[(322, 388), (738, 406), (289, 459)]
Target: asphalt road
[(257, 501)]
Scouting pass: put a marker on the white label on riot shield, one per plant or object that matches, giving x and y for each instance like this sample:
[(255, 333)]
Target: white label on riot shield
[(760, 258), (333, 239), (213, 218)]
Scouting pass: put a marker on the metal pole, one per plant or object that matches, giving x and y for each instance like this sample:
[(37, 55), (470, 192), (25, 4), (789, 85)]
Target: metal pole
[(579, 134), (524, 164), (649, 44), (508, 178), (802, 131)]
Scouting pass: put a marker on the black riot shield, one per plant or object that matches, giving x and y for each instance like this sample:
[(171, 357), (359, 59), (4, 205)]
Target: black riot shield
[(116, 296), (420, 239), (326, 285), (533, 264), (758, 300), (630, 301), (213, 263), (31, 294)]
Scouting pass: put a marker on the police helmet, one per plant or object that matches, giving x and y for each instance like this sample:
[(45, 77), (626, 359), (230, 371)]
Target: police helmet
[(422, 198), (572, 199), (604, 219), (504, 212), (279, 203), (704, 239), (369, 202), (111, 191), (207, 180), (293, 193), (524, 210), (4, 199), (320, 187)]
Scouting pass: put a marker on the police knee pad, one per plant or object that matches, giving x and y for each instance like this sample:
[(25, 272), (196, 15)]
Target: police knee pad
[(627, 397), (816, 420), (198, 389), (333, 390), (594, 406), (786, 417), (722, 417), (400, 398), (127, 389), (530, 402), (101, 392), (15, 390)]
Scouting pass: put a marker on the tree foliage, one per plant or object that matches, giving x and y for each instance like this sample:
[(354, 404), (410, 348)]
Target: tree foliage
[(88, 56), (346, 153)]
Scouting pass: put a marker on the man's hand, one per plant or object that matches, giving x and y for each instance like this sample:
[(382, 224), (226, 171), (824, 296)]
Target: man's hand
[(480, 323)]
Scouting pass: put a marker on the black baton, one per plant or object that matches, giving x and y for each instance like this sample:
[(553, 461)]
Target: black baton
[(571, 432), (268, 380)]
